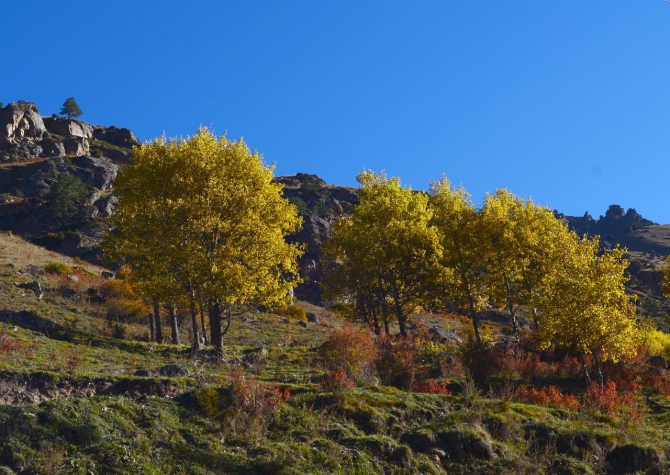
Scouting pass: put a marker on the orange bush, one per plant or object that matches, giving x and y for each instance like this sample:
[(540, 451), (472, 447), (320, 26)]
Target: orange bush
[(350, 349), (549, 396), (431, 386), (608, 400)]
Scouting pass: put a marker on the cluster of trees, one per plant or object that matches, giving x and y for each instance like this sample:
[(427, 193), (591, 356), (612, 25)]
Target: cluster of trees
[(201, 225), (400, 250)]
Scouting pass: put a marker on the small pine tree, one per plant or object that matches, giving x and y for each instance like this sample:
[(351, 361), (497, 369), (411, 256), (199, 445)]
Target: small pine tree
[(67, 196), (71, 108)]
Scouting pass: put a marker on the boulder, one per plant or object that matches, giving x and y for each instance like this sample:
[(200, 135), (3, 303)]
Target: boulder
[(255, 355), (312, 318), (98, 172), (77, 146), (68, 127), (115, 136), (173, 370), (106, 205), (20, 121), (444, 335), (116, 155), (107, 275), (33, 286), (142, 372), (52, 147), (302, 324)]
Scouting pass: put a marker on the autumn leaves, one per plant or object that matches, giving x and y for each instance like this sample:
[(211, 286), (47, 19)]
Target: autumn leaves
[(400, 249)]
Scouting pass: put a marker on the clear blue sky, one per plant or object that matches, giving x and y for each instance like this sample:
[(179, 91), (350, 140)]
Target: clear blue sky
[(564, 101)]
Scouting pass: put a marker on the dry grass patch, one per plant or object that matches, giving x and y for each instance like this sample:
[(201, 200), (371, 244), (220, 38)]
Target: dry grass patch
[(21, 253)]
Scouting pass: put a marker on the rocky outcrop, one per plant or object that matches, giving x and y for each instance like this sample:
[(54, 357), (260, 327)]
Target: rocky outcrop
[(20, 122), (25, 135), (118, 137), (68, 127), (610, 227), (97, 172)]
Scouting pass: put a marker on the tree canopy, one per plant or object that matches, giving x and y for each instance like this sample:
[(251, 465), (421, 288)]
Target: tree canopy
[(71, 108), (201, 217), (586, 307), (383, 257)]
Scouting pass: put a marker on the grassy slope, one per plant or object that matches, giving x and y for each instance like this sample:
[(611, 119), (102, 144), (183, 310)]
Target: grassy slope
[(71, 403)]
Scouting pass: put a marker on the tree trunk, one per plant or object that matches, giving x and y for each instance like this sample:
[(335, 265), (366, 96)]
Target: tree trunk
[(173, 323), (151, 326), (215, 327), (386, 326), (585, 368), (157, 320), (194, 323), (515, 323), (202, 322), (598, 369), (475, 320)]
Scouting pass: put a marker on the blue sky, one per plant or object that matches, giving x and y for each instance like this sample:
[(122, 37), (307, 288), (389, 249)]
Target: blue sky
[(567, 102)]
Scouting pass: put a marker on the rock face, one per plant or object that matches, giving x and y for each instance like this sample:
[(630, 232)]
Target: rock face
[(25, 135), (115, 136), (38, 152), (20, 122), (68, 127)]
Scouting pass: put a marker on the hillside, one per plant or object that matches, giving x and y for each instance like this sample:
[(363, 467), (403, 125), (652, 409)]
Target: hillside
[(84, 389)]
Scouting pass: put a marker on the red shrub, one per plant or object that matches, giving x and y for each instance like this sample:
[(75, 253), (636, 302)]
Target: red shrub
[(608, 400), (352, 350), (336, 381), (399, 362), (549, 396), (431, 386)]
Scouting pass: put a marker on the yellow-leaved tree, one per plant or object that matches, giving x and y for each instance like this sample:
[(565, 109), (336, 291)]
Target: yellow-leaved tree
[(201, 218), (586, 307), (524, 244), (383, 257), (460, 231)]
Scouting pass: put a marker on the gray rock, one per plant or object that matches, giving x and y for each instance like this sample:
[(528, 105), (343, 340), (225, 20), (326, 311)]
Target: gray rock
[(107, 275), (52, 147), (444, 335), (255, 355), (123, 156), (142, 372), (107, 208), (68, 127), (33, 286), (302, 324), (20, 121), (98, 172), (115, 136), (77, 146), (173, 370), (312, 318)]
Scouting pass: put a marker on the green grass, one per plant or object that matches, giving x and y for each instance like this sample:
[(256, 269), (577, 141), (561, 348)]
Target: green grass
[(72, 404)]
